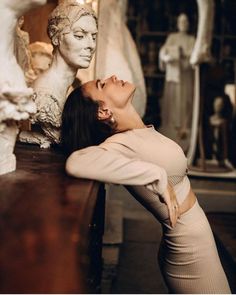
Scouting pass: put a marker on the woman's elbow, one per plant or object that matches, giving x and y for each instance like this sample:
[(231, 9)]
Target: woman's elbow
[(71, 167)]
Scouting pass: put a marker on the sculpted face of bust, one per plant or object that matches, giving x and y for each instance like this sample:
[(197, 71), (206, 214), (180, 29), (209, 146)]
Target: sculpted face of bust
[(72, 28), (78, 44)]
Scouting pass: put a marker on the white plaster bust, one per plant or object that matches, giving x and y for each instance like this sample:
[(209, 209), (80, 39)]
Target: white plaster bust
[(72, 28), (15, 96)]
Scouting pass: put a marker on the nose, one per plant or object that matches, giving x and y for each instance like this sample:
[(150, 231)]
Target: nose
[(113, 78), (91, 42)]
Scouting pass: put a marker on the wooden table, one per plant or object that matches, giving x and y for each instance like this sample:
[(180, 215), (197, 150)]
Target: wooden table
[(51, 227)]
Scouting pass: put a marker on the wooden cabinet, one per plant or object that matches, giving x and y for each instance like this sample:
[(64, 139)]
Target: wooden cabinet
[(51, 227)]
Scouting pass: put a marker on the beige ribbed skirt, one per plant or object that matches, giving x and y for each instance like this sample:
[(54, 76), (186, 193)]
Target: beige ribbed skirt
[(188, 256)]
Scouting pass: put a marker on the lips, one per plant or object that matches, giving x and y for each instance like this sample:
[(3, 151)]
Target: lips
[(86, 56)]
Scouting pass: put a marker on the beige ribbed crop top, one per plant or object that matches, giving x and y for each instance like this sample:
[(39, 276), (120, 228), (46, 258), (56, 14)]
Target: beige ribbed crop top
[(135, 157)]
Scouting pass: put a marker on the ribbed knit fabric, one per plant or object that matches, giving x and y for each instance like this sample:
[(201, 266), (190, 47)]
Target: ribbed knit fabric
[(188, 256), (145, 161)]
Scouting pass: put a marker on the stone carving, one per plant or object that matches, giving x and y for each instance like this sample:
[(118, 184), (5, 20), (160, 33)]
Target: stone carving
[(15, 96), (177, 98), (117, 52), (72, 28), (202, 48)]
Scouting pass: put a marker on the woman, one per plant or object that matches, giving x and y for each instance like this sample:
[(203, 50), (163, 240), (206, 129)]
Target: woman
[(72, 28), (108, 141)]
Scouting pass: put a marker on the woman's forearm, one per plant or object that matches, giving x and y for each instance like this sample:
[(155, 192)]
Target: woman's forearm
[(111, 167)]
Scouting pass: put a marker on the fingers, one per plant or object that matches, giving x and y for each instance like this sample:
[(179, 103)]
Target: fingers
[(170, 200), (173, 212), (174, 215), (173, 207)]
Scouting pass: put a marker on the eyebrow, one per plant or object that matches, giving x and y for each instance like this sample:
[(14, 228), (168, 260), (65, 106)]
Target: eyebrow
[(85, 31), (97, 82)]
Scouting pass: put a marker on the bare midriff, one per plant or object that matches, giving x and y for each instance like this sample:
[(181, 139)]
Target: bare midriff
[(188, 202)]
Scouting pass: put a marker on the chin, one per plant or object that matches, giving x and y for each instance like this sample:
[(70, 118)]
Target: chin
[(84, 64), (132, 91), (131, 86)]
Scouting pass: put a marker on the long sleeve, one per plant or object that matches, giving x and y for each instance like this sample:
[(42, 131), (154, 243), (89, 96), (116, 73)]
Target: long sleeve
[(112, 167)]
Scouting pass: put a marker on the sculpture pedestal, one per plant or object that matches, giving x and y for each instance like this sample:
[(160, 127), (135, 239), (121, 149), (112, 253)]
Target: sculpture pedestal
[(7, 143)]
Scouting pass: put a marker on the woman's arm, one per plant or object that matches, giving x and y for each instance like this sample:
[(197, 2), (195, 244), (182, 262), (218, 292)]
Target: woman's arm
[(107, 166)]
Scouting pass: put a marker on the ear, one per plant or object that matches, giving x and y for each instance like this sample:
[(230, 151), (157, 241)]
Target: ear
[(104, 113), (55, 40)]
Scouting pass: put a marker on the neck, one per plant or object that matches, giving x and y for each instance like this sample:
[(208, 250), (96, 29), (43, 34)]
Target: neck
[(58, 78), (62, 70), (128, 119)]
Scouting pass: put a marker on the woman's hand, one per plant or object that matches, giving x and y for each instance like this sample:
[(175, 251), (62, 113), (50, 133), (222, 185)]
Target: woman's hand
[(169, 198)]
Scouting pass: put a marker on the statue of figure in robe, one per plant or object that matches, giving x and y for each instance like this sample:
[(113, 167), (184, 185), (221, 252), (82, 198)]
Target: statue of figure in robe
[(176, 104)]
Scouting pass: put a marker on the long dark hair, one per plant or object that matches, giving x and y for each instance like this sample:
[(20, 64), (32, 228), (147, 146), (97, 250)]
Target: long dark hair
[(80, 126)]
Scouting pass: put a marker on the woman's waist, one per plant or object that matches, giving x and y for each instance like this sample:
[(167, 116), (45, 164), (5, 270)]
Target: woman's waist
[(181, 188), (184, 194), (188, 202)]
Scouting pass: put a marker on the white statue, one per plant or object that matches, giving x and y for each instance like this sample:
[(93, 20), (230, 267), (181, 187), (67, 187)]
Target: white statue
[(15, 96), (177, 99), (117, 52), (72, 28)]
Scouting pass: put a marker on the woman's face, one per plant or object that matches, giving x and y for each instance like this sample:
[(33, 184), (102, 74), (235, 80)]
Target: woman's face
[(113, 93), (78, 45)]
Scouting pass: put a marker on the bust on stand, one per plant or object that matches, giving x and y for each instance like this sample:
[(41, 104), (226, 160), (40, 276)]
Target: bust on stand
[(72, 28), (219, 126)]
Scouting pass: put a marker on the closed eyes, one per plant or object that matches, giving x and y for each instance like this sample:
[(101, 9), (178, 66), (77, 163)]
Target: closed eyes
[(100, 84)]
